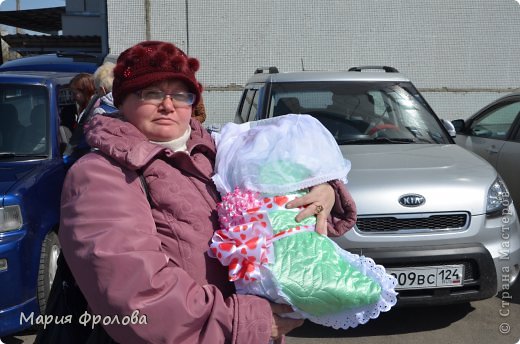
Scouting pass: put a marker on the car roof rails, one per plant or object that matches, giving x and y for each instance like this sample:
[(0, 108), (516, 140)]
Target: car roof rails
[(81, 56), (270, 70), (74, 53), (387, 69)]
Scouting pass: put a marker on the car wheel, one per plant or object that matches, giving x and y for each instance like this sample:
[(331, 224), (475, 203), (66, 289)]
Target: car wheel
[(48, 265)]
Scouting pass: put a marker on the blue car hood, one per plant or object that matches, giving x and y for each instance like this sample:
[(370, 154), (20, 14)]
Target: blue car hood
[(10, 174)]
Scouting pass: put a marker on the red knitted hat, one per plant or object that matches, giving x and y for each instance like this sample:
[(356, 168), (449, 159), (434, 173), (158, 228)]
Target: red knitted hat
[(151, 61)]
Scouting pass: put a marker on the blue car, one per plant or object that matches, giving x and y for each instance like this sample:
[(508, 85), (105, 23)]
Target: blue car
[(34, 106), (70, 62)]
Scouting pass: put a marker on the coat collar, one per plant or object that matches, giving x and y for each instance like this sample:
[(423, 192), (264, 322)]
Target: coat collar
[(128, 146)]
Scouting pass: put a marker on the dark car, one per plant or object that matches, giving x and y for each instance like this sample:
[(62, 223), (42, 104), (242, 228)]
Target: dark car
[(32, 170), (494, 134)]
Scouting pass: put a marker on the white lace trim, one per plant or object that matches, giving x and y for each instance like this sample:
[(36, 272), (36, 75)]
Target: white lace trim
[(352, 318)]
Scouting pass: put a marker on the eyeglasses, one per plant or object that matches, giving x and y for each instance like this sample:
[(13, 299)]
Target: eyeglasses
[(156, 97)]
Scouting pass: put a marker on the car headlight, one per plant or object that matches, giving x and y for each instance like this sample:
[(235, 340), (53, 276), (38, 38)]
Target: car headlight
[(10, 218), (498, 198)]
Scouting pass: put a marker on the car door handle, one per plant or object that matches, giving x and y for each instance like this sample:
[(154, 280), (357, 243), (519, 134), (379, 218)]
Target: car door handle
[(492, 150)]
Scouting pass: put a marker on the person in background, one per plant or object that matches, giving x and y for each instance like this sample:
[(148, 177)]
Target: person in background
[(100, 102), (84, 92), (132, 253), (103, 78)]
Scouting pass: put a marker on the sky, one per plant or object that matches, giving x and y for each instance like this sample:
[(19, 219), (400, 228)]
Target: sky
[(10, 5)]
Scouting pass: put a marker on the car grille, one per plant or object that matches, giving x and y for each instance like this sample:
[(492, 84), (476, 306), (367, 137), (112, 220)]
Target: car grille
[(412, 223)]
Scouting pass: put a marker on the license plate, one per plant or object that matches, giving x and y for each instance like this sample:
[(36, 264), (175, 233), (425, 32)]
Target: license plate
[(425, 277)]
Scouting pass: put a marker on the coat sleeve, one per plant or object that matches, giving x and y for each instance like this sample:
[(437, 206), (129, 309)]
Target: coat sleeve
[(109, 240), (344, 213)]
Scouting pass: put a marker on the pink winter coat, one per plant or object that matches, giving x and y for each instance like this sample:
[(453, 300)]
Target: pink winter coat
[(128, 257)]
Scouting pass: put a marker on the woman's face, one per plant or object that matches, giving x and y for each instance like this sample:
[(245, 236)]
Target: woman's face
[(158, 119), (79, 97)]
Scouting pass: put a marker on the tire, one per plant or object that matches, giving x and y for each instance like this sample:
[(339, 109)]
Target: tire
[(48, 263)]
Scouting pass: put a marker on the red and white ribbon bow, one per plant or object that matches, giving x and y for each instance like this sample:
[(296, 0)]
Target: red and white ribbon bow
[(244, 247)]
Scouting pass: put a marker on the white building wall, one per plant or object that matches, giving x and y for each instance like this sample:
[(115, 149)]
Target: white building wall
[(126, 24), (461, 54)]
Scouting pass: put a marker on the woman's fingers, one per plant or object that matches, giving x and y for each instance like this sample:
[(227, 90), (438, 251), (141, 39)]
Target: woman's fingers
[(318, 202), (321, 224)]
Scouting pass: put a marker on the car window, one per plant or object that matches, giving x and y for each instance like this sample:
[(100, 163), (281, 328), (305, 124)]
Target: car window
[(496, 123), (250, 104), (516, 138), (254, 106), (24, 119), (360, 112), (67, 112), (246, 104)]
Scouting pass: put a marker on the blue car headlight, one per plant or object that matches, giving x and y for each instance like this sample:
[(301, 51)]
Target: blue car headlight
[(10, 218)]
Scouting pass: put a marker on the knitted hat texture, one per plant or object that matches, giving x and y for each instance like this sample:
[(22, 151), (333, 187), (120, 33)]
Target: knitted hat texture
[(149, 62)]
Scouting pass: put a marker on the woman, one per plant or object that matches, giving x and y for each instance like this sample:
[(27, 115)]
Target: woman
[(83, 91), (103, 79), (128, 254)]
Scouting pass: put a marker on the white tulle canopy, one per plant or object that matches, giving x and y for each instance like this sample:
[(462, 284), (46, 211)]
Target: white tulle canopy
[(277, 155)]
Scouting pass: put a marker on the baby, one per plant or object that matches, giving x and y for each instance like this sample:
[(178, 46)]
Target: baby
[(260, 166)]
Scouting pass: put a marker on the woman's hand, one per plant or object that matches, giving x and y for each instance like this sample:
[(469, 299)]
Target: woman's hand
[(281, 326), (319, 202)]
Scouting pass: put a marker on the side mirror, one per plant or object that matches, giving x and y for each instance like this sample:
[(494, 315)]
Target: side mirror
[(459, 125), (449, 127)]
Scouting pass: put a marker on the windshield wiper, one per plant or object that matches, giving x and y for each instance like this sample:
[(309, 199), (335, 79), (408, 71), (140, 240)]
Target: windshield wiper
[(376, 140)]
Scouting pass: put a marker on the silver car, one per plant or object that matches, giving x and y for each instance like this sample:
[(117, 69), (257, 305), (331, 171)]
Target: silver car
[(494, 134), (438, 217)]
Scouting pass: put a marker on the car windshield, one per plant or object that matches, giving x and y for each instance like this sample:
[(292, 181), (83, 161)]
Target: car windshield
[(23, 121), (361, 112)]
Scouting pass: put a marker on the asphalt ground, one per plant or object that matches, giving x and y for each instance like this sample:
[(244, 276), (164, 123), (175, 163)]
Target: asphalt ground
[(492, 321)]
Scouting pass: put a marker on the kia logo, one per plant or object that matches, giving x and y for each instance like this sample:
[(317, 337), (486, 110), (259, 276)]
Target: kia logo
[(411, 200)]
